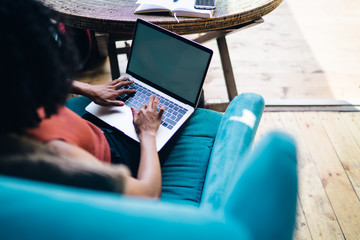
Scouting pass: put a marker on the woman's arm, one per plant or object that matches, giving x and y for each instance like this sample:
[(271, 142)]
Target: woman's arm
[(148, 181), (147, 122)]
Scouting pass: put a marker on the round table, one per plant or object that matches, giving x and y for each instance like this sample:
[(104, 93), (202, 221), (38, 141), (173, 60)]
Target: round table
[(117, 19), (117, 16)]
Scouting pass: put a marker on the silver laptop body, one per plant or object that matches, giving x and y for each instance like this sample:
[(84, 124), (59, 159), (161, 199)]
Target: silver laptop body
[(164, 64)]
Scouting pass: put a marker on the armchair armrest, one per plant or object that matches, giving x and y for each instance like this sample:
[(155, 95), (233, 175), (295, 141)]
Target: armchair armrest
[(235, 136), (260, 204), (37, 210)]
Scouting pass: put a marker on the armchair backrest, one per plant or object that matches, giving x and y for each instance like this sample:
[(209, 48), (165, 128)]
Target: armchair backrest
[(264, 193)]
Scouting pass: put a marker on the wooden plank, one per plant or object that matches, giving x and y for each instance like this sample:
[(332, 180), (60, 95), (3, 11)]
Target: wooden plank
[(338, 188), (312, 108), (345, 146), (320, 218), (301, 231), (301, 228), (311, 102), (278, 124), (266, 125), (352, 121)]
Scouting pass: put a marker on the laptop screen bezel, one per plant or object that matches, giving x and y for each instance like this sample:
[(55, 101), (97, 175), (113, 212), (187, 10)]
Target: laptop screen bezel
[(174, 35)]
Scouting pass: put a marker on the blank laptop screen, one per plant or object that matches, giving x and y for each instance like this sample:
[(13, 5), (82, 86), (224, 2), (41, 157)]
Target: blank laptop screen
[(172, 63)]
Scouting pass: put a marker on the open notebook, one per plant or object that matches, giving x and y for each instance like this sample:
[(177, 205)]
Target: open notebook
[(179, 8)]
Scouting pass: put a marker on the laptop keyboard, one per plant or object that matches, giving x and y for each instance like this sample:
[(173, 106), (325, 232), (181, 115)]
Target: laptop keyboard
[(173, 112)]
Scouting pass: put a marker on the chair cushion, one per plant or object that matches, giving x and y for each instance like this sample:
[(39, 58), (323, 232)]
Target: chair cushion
[(185, 158), (78, 105), (184, 170)]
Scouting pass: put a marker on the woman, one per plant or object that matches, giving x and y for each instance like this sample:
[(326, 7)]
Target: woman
[(36, 67)]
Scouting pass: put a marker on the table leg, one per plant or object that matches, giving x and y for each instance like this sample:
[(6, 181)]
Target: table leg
[(227, 68), (114, 63)]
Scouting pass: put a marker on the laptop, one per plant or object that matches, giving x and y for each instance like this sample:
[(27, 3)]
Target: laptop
[(164, 64)]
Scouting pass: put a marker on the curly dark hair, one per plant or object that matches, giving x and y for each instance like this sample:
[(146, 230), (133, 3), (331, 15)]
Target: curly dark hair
[(36, 67)]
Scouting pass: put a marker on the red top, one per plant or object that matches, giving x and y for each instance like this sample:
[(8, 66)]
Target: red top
[(70, 127)]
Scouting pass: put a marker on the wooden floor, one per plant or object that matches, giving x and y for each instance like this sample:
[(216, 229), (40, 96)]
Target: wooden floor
[(305, 50), (322, 41), (329, 171)]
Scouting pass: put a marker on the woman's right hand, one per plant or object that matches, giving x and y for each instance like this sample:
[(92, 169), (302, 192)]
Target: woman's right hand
[(148, 119)]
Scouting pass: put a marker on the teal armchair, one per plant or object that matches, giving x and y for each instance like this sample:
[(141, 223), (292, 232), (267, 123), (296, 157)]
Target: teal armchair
[(214, 187)]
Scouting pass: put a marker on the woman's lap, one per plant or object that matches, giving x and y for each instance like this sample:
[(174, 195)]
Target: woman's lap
[(124, 150)]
